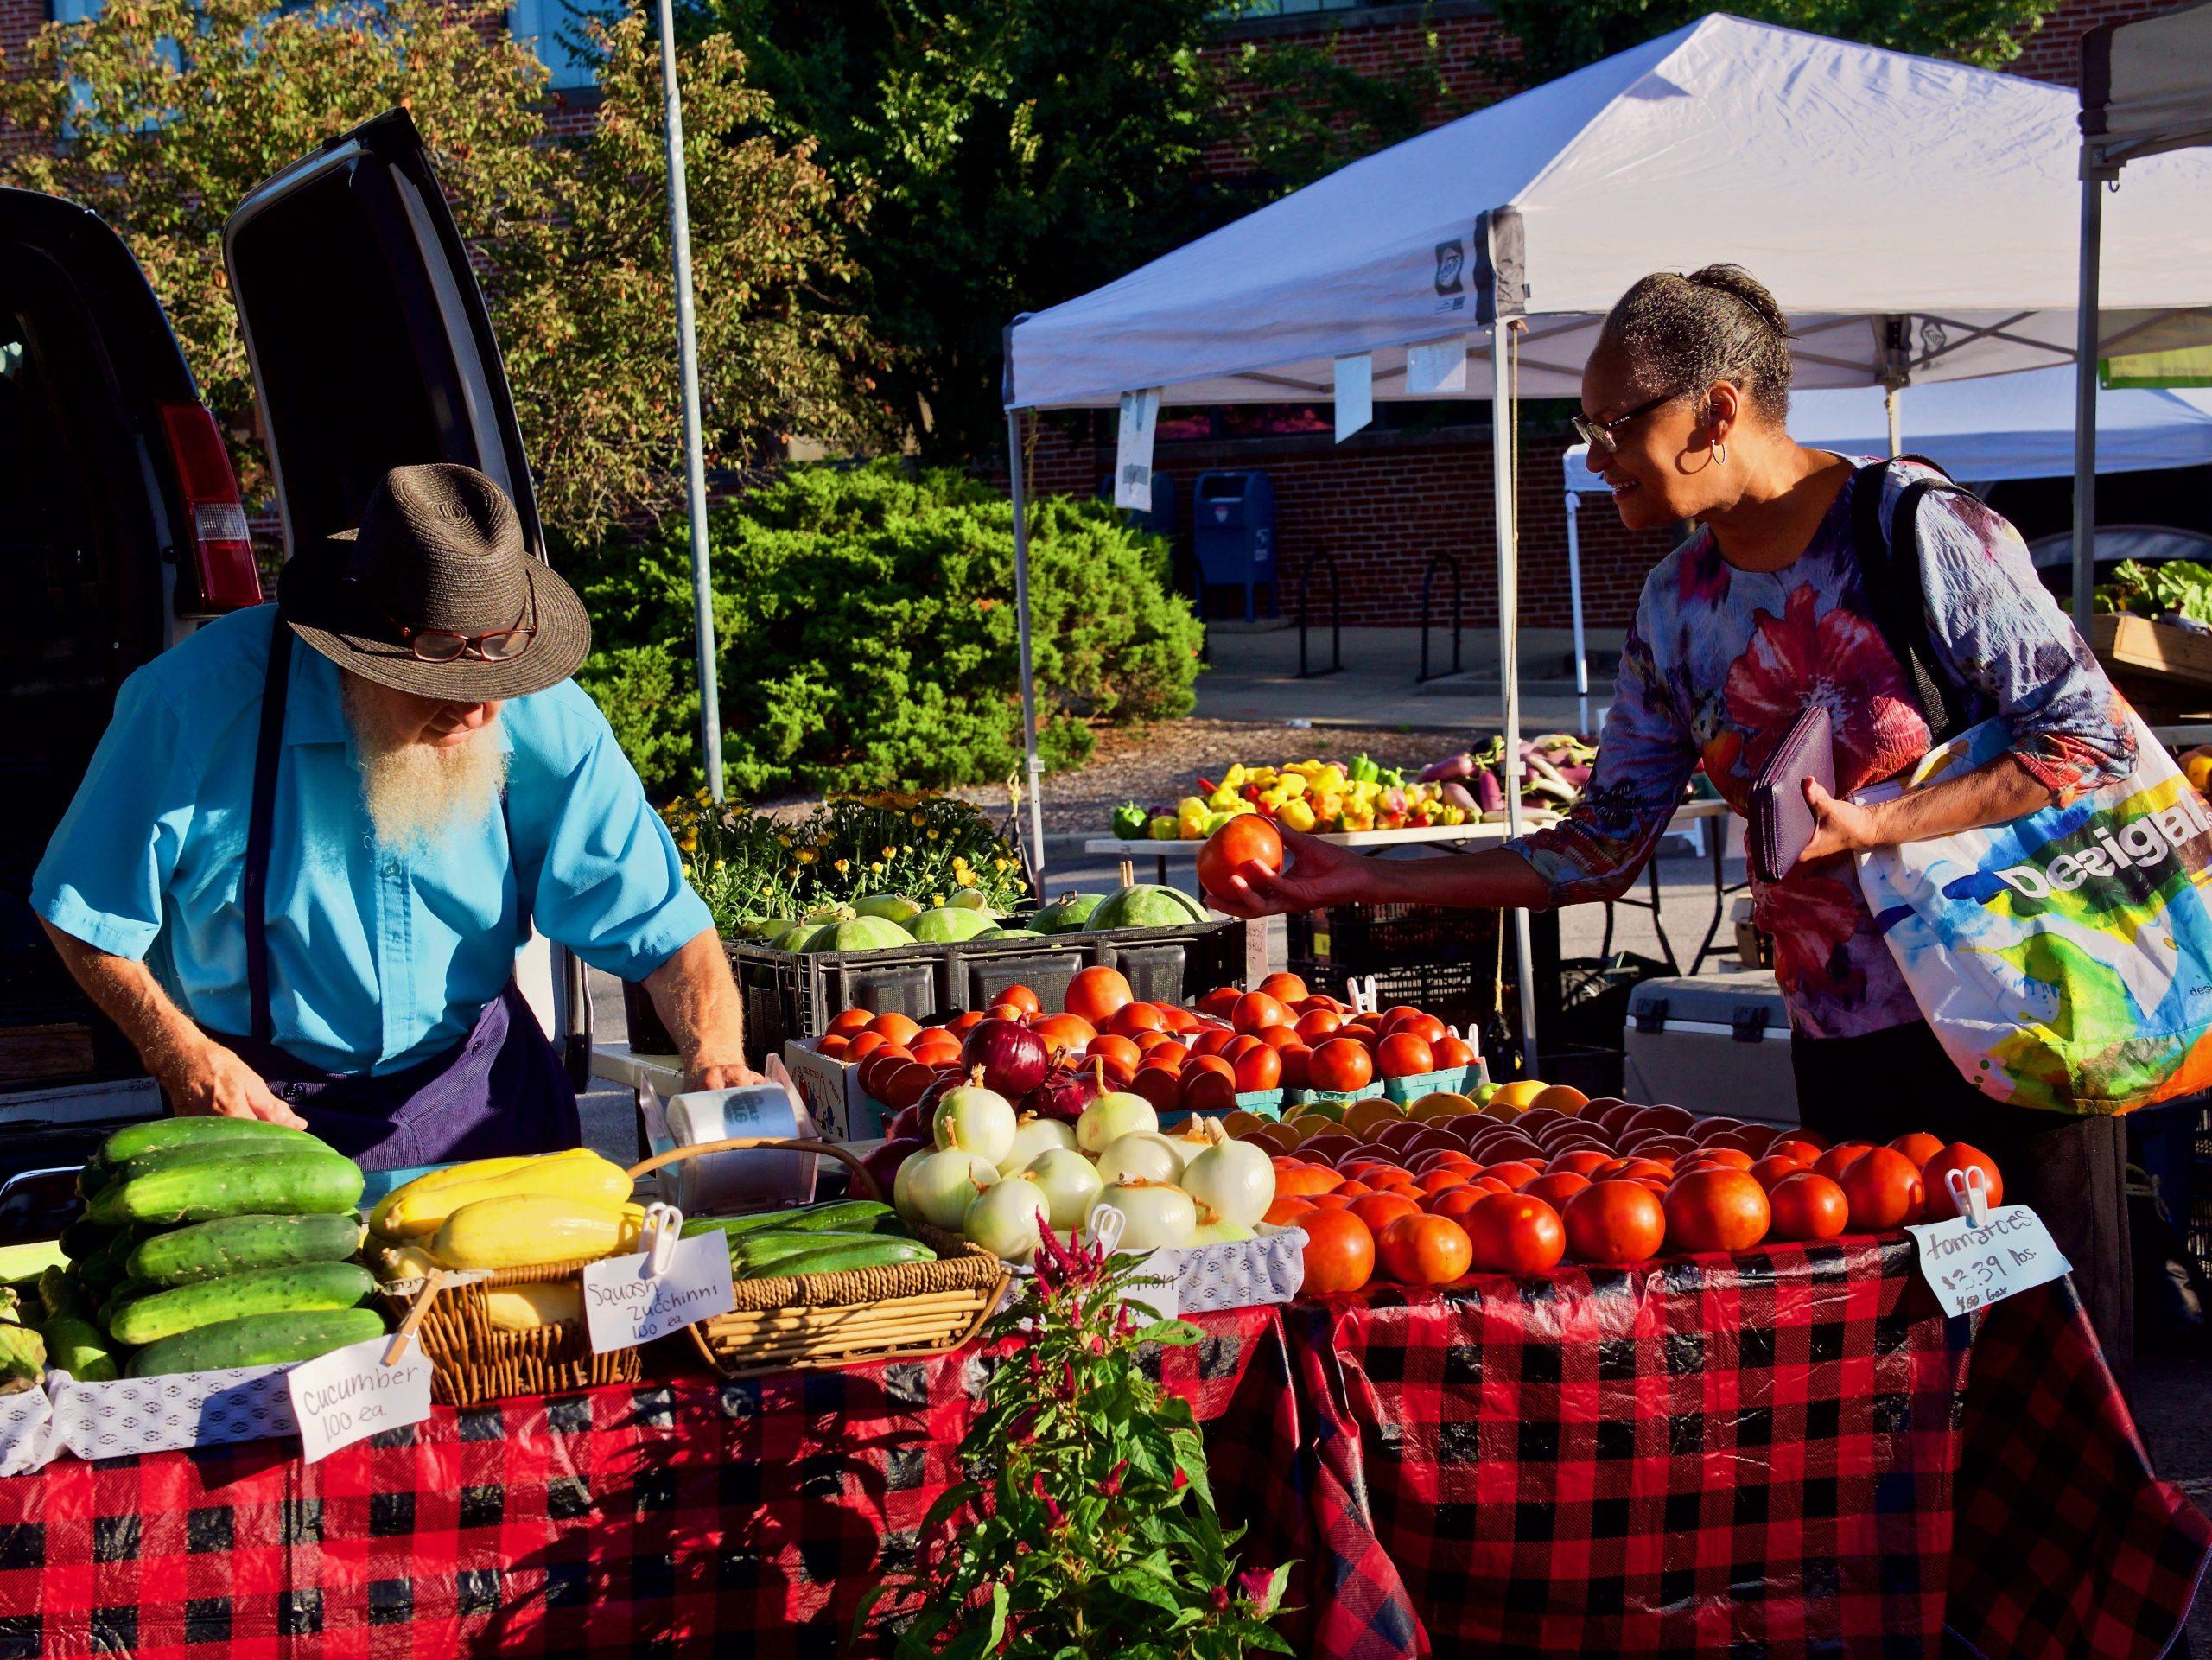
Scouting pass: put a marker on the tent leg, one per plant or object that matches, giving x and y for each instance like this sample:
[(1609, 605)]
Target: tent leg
[(2085, 396), (1034, 768), (1503, 415), (687, 359), (1890, 410), (1574, 601)]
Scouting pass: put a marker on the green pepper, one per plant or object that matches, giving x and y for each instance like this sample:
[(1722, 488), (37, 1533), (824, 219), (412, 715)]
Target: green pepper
[(1129, 820), (1391, 778), (1361, 770)]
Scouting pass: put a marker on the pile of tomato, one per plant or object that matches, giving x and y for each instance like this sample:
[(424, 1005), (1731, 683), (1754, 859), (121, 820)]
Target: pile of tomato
[(1426, 1199)]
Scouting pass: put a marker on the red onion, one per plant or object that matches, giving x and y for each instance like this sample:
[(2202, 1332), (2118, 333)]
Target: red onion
[(882, 1165), (1062, 1095), (908, 1123), (1013, 1058)]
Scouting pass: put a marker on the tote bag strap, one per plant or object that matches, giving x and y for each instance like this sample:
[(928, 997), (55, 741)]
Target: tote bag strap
[(1889, 566)]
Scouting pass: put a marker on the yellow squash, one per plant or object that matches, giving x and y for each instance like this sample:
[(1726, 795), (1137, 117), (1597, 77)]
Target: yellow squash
[(527, 1230), (533, 1308), (452, 1176), (579, 1175)]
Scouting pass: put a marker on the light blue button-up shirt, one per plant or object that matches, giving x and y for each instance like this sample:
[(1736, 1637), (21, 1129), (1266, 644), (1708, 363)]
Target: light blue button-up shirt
[(376, 960)]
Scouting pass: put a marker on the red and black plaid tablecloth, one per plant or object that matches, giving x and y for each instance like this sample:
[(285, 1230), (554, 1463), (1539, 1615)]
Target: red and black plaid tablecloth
[(1761, 1457)]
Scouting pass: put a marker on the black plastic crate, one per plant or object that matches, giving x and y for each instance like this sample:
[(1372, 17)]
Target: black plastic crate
[(1457, 994)]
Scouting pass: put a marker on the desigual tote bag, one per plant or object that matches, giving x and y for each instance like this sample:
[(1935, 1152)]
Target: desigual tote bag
[(2064, 959)]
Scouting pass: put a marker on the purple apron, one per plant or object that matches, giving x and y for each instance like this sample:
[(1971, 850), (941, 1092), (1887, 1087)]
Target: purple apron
[(502, 1091)]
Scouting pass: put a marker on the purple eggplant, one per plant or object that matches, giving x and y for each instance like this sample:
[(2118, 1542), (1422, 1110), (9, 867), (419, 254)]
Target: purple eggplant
[(1451, 766), (1456, 794), (1489, 792)]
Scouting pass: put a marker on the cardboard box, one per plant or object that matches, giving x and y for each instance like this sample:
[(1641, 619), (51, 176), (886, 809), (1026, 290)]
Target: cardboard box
[(840, 1108)]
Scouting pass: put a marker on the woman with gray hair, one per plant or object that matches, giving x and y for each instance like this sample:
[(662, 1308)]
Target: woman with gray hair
[(1762, 613)]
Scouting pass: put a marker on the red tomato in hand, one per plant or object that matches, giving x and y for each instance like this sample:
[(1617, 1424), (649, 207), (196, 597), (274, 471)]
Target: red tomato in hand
[(1244, 839)]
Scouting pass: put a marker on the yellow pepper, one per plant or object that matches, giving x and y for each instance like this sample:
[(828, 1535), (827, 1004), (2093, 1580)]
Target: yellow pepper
[(1191, 806), (1296, 814), (1163, 828), (1291, 784), (1236, 778), (1454, 815), (1329, 807)]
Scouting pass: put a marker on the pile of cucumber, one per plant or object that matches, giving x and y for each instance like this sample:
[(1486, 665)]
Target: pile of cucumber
[(207, 1244), (814, 1239)]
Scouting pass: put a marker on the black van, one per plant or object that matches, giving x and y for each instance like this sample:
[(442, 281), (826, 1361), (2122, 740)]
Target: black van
[(121, 527)]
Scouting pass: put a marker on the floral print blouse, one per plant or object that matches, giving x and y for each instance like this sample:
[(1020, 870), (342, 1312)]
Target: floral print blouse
[(1719, 664)]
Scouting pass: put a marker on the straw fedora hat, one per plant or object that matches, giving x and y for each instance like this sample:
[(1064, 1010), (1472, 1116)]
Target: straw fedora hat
[(436, 594)]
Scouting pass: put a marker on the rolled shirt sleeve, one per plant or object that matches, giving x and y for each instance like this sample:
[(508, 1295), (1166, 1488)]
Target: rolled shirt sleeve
[(2002, 631), (1644, 757), (594, 859), (106, 871)]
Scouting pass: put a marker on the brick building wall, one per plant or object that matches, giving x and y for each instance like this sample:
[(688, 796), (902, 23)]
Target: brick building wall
[(2054, 52)]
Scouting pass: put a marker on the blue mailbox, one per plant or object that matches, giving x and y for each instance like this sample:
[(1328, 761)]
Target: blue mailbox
[(1233, 532)]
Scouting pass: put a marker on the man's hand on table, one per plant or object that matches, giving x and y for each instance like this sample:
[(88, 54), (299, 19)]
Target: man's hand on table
[(721, 1075), (208, 1081)]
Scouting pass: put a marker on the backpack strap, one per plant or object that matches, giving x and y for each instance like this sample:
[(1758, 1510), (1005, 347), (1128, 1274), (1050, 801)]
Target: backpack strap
[(1889, 566)]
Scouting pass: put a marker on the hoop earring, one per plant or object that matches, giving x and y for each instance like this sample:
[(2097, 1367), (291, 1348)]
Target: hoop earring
[(1720, 453)]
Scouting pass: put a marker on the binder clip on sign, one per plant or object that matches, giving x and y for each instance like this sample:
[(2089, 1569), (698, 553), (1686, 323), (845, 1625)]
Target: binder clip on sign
[(1983, 1256)]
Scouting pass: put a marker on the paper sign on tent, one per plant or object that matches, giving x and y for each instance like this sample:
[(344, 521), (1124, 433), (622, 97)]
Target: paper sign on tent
[(1355, 394), (1132, 451), (1437, 368)]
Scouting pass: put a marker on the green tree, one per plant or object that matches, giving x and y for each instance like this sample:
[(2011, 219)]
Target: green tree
[(1557, 37), (1020, 152), (159, 115)]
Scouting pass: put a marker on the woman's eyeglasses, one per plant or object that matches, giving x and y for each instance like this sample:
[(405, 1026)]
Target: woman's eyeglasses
[(1600, 434), (444, 646)]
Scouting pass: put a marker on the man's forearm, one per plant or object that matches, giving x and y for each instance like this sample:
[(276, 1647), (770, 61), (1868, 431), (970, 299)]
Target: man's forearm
[(696, 1000), (1489, 880), (1994, 794), (127, 993)]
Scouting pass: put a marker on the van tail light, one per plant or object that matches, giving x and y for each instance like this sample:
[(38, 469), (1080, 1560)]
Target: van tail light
[(215, 519)]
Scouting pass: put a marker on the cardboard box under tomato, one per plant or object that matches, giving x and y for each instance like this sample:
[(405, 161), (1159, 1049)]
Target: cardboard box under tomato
[(1260, 1104), (1333, 1103), (1454, 1080), (841, 1108)]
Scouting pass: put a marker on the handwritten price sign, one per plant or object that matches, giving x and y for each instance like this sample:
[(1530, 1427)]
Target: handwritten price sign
[(626, 1304), (350, 1394), (1986, 1256)]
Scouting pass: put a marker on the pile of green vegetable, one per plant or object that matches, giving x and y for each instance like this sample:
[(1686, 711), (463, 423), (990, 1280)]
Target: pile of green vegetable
[(814, 1239), (205, 1244), (2178, 587)]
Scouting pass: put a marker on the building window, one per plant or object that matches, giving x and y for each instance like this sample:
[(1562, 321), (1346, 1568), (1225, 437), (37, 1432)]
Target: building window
[(73, 11), (560, 29)]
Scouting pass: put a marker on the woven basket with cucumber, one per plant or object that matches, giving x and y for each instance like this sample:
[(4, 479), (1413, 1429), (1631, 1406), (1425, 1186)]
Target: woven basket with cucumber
[(829, 1285), (485, 1261), (207, 1244)]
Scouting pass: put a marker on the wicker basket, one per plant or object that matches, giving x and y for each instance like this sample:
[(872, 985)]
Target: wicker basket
[(475, 1361), (795, 1322)]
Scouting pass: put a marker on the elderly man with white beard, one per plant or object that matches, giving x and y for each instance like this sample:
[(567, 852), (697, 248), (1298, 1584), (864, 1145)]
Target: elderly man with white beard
[(315, 834)]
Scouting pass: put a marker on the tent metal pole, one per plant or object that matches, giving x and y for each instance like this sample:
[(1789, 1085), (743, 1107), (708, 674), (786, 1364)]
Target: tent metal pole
[(1890, 410), (1574, 602), (1504, 414), (687, 365), (1035, 770), (2085, 392)]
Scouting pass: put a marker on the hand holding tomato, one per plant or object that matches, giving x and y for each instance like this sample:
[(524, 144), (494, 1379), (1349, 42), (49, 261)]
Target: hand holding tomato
[(1313, 873)]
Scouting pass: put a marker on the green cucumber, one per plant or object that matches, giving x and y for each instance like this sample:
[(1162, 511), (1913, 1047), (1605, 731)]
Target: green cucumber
[(128, 1291), (85, 1238), (77, 1346), (304, 1289), (768, 1247), (845, 1216), (154, 1134), (870, 1251), (174, 1158), (208, 1250), (58, 1293), (257, 1340), (93, 1177), (291, 1183)]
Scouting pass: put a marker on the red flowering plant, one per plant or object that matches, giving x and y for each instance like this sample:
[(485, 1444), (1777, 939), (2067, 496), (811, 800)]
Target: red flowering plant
[(1091, 1529)]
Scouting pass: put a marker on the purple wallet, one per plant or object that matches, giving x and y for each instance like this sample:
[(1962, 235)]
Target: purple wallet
[(1781, 822)]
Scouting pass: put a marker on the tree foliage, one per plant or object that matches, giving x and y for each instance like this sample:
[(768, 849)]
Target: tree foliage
[(1020, 152), (159, 115), (866, 626), (1556, 38)]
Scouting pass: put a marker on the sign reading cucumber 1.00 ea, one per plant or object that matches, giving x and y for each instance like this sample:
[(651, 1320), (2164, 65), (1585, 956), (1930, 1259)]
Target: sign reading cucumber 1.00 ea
[(349, 1395)]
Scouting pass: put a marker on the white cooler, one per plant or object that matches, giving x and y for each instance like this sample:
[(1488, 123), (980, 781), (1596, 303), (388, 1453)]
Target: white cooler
[(1717, 1044)]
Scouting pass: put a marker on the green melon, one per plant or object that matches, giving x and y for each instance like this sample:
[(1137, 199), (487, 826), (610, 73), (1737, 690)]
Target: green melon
[(1145, 905), (891, 907), (947, 924), (970, 898), (831, 913), (861, 934), (1009, 933), (795, 937), (1070, 914), (764, 928)]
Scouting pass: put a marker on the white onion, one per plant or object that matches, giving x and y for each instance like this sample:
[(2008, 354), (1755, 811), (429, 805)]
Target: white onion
[(1032, 1137), (1002, 1218), (943, 1185), (1070, 1183), (1234, 1180), (1158, 1215), (1186, 1141), (1142, 1154), (1221, 1232), (1112, 1115), (972, 1119)]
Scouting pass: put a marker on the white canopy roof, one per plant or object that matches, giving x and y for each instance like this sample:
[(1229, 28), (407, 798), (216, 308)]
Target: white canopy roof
[(2146, 86), (1857, 184), (1983, 431)]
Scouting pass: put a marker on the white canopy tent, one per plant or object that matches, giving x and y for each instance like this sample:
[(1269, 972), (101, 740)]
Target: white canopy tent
[(2146, 91), (1979, 431), (1895, 204)]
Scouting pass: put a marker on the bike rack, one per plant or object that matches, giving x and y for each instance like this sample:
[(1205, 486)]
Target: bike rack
[(1335, 615), (1427, 607)]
